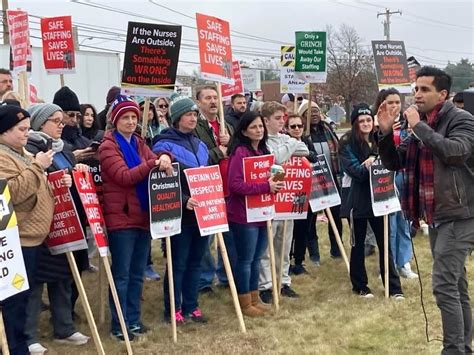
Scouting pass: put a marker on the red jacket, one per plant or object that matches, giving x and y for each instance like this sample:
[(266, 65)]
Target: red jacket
[(121, 205)]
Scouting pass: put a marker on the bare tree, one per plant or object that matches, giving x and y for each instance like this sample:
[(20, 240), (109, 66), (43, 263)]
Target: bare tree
[(351, 72)]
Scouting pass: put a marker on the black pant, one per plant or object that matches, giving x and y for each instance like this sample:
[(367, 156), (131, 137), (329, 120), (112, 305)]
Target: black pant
[(301, 234), (358, 273)]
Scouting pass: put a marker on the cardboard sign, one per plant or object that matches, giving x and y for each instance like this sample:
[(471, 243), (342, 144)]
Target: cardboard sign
[(310, 58), (19, 38), (151, 59), (205, 185), (288, 82), (165, 203), (324, 193), (66, 233), (215, 51), (85, 186), (259, 207), (291, 202), (238, 87), (391, 65), (58, 45), (13, 277), (382, 186)]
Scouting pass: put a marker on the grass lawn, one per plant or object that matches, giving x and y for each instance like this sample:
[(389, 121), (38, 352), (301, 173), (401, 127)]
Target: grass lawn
[(327, 319)]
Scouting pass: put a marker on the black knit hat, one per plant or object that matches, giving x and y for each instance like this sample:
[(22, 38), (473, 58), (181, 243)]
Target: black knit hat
[(360, 109), (10, 116), (66, 99)]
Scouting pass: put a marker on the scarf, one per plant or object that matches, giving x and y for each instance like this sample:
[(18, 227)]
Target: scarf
[(58, 144), (24, 156), (333, 144), (132, 159), (418, 197)]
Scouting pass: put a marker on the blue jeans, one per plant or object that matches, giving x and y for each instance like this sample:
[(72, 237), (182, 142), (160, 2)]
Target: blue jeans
[(250, 243), (231, 253), (129, 249), (187, 250), (14, 307), (400, 239)]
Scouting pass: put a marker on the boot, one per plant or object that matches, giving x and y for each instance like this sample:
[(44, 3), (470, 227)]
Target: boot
[(245, 301), (257, 303)]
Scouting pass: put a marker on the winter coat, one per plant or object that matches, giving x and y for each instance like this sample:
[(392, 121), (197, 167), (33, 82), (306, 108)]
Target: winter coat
[(204, 132)]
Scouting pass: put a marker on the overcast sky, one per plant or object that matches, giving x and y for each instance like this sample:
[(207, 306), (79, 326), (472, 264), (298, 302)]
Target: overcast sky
[(435, 32)]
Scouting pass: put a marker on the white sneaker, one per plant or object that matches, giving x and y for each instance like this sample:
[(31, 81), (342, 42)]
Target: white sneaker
[(74, 339), (398, 297), (406, 272), (37, 349)]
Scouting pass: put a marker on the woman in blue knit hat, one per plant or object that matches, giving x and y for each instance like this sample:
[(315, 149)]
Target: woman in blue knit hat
[(187, 249)]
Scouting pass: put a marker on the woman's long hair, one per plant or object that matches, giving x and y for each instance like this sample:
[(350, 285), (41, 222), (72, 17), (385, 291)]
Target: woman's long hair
[(239, 139), (89, 132)]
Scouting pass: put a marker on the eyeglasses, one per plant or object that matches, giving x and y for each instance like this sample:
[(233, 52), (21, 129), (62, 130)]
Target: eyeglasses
[(163, 106), (57, 121), (295, 126), (73, 114)]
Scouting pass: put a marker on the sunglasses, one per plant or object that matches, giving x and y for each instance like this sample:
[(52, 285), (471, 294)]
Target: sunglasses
[(163, 106), (295, 126), (74, 114)]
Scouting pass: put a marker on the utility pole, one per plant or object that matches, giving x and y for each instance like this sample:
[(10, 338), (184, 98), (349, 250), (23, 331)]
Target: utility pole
[(386, 23), (6, 35)]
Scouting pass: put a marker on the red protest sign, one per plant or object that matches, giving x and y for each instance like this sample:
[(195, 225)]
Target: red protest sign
[(259, 207), (19, 38), (205, 185), (58, 45), (215, 52), (85, 186), (292, 201), (33, 94), (238, 87), (66, 232)]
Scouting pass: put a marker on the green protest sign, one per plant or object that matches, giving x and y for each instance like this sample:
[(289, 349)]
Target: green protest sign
[(310, 59)]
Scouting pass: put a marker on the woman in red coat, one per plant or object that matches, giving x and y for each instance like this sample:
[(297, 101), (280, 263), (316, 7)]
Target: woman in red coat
[(126, 162)]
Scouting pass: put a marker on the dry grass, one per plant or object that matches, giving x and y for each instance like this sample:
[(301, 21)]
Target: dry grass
[(327, 319)]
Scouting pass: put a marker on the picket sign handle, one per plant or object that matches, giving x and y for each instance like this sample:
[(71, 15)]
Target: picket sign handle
[(85, 302), (308, 112), (230, 278), (169, 262), (385, 253), (295, 105), (118, 308), (102, 294), (61, 79), (221, 110), (146, 109), (271, 251), (3, 336), (338, 238), (282, 255)]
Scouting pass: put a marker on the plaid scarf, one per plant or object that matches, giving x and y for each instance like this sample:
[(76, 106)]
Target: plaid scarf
[(418, 197), (333, 144)]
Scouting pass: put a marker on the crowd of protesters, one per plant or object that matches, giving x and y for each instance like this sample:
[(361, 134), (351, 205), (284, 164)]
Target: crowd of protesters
[(430, 147)]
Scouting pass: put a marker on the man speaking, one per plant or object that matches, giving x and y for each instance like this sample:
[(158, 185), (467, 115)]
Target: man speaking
[(439, 161)]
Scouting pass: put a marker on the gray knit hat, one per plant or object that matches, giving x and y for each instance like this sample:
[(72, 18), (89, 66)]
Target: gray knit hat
[(179, 105), (40, 113)]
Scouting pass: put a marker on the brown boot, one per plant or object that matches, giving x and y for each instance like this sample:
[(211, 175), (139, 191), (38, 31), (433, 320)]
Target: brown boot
[(257, 303), (245, 301)]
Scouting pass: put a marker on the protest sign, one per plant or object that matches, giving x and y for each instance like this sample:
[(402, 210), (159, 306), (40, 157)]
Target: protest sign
[(33, 94), (165, 202), (382, 186), (238, 87), (291, 202), (391, 65), (310, 58), (205, 185), (66, 232), (18, 30), (215, 51), (324, 193), (257, 170), (151, 59), (251, 79), (13, 277), (85, 187), (288, 82), (184, 91), (413, 67), (58, 45)]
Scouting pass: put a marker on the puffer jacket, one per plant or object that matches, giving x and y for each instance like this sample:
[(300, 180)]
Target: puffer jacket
[(452, 144), (122, 208)]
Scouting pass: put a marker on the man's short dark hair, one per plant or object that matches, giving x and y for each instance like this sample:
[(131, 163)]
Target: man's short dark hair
[(441, 81), (5, 71), (236, 96), (459, 98), (207, 87)]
